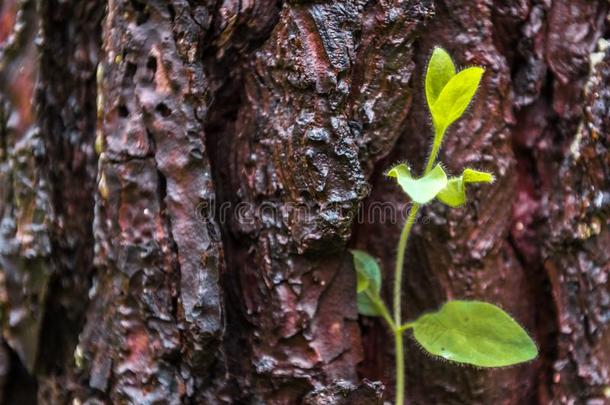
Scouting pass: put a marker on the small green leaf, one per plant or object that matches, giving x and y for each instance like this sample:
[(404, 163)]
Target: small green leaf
[(362, 283), (420, 190), (474, 332), (366, 306), (475, 176), (368, 282), (454, 195), (440, 71), (455, 97), (367, 270)]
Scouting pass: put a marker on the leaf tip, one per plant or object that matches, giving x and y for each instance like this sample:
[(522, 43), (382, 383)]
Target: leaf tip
[(476, 73), (439, 50), (396, 170), (532, 351), (477, 176)]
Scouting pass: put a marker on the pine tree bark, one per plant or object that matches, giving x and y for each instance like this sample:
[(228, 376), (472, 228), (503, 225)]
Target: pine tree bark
[(180, 182)]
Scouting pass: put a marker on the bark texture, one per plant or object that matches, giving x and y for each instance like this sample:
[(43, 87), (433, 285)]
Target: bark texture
[(180, 182)]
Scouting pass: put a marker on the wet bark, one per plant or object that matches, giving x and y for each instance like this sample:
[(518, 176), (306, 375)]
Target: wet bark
[(180, 182)]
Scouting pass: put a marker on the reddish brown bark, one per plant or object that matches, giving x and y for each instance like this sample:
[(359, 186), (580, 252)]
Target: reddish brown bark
[(180, 183)]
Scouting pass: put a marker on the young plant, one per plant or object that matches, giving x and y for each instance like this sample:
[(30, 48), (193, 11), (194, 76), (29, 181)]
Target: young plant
[(470, 332)]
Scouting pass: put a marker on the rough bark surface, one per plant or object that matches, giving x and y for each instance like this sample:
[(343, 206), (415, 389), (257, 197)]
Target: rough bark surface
[(180, 182)]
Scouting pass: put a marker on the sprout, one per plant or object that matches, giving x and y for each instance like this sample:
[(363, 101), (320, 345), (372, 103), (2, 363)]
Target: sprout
[(469, 332)]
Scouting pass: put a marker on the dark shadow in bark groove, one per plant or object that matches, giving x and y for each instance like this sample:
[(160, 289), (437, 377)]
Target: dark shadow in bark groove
[(20, 386), (224, 62), (67, 117), (219, 135), (529, 221)]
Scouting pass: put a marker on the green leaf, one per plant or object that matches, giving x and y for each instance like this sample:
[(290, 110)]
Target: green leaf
[(455, 97), (474, 332), (368, 282), (362, 283), (366, 306), (367, 270), (440, 71), (475, 176), (420, 190), (454, 195)]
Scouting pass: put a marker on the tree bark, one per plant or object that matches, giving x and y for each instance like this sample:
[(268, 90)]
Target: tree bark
[(181, 181)]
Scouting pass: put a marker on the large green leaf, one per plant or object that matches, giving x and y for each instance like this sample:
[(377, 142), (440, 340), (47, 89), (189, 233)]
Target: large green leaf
[(454, 195), (420, 190), (368, 282), (440, 71), (474, 332), (455, 97)]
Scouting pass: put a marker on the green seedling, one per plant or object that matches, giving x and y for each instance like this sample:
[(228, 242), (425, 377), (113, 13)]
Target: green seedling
[(468, 332)]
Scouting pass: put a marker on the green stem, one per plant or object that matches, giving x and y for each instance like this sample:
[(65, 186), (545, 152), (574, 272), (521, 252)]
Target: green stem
[(400, 259), (405, 326), (382, 309), (436, 146), (400, 368)]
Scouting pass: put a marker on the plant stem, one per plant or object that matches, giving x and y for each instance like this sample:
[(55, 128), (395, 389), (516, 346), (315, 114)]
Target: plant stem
[(405, 326), (400, 368), (382, 309), (436, 146), (400, 259)]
